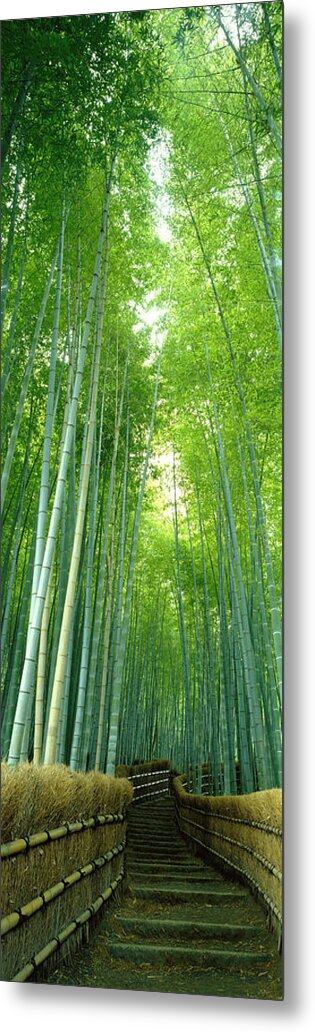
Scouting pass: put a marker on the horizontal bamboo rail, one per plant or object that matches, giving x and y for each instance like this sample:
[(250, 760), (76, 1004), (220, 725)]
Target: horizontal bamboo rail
[(25, 912), (145, 775), (139, 795), (151, 773), (152, 780), (58, 940), (40, 838)]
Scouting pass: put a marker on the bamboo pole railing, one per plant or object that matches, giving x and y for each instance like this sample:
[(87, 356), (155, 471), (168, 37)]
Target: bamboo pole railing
[(259, 866), (24, 927), (40, 838), (25, 912), (147, 782), (43, 955)]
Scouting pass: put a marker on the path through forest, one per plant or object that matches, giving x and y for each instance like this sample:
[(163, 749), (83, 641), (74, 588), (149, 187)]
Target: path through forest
[(182, 927)]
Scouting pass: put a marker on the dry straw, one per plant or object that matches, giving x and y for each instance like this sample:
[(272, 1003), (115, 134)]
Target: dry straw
[(35, 798), (265, 807)]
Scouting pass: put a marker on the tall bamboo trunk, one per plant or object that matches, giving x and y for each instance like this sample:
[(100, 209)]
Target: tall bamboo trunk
[(34, 628), (62, 655)]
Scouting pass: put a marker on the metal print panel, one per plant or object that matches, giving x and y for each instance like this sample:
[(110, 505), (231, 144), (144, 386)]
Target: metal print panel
[(142, 500)]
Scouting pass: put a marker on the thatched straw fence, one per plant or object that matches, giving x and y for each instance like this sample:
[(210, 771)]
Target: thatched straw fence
[(63, 838), (148, 779), (240, 834)]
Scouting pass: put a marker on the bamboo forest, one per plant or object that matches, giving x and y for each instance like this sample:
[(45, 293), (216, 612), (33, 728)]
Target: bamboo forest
[(142, 393)]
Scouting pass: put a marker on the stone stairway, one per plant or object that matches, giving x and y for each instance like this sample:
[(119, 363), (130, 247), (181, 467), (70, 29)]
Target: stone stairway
[(181, 927)]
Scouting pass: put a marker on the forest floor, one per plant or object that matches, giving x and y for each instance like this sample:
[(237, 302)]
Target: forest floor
[(181, 926)]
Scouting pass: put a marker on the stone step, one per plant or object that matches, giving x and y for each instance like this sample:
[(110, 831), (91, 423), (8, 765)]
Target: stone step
[(145, 846), (147, 810), (162, 823), (159, 954), (174, 928), (142, 805), (140, 838), (156, 855), (142, 833), (181, 894), (178, 877), (164, 826), (169, 870), (167, 817), (169, 844)]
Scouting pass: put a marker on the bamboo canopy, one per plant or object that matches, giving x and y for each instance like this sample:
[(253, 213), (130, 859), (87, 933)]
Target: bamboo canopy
[(142, 394)]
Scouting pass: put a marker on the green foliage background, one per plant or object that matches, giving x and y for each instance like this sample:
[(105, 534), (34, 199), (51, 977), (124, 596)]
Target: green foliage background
[(194, 230)]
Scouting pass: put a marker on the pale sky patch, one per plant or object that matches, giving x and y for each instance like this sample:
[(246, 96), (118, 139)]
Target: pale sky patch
[(158, 169)]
